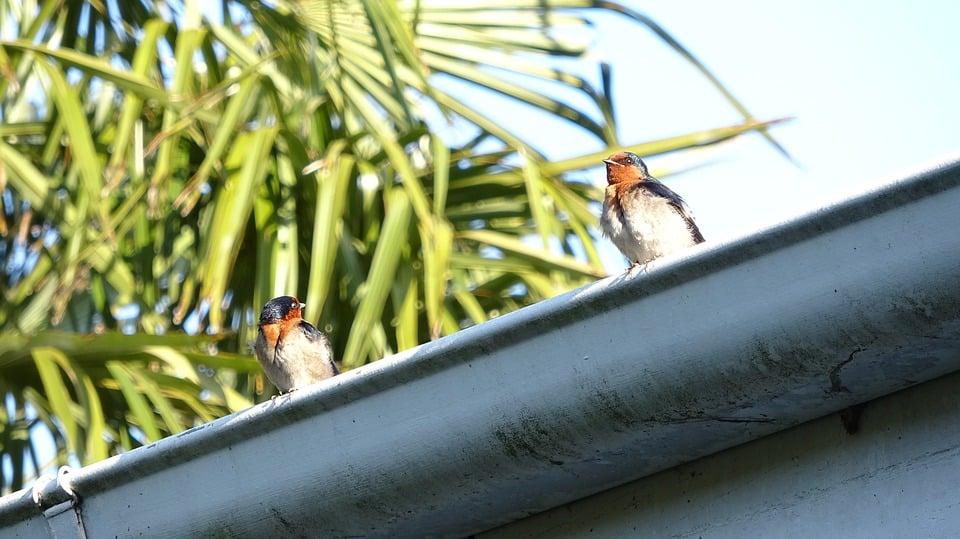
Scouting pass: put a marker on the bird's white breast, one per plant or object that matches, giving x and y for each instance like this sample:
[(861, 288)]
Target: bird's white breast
[(653, 228)]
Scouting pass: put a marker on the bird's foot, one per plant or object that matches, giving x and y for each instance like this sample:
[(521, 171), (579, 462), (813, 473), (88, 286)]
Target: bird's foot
[(282, 393), (636, 268)]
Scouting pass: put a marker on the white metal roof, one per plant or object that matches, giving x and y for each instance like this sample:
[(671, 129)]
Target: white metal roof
[(600, 386)]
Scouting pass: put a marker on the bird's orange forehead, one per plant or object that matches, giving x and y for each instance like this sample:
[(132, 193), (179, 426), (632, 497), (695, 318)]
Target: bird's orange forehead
[(617, 157)]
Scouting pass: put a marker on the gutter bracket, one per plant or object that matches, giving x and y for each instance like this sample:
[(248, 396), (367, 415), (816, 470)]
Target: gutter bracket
[(60, 506)]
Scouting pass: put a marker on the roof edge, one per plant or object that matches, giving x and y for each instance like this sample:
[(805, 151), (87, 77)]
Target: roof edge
[(617, 380)]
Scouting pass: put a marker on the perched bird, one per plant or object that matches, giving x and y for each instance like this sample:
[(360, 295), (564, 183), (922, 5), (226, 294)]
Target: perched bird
[(291, 351), (643, 217)]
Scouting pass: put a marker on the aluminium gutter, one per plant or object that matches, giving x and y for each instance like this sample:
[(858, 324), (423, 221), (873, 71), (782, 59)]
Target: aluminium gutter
[(620, 379)]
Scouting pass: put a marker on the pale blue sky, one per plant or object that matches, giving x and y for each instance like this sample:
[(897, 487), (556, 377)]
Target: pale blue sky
[(874, 88)]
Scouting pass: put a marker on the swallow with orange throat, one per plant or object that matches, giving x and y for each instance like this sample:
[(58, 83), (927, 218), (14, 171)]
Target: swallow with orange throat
[(643, 217), (292, 352)]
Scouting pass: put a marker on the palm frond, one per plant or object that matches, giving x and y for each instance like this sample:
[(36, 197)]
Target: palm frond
[(166, 168)]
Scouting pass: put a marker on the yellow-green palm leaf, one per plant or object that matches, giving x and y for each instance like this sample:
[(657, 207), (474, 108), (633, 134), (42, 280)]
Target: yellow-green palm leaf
[(168, 167)]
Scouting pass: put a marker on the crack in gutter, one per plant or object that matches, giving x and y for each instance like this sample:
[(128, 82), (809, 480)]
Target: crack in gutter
[(836, 385)]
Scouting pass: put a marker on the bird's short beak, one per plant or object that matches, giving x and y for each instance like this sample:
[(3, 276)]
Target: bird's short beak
[(609, 162), (302, 305)]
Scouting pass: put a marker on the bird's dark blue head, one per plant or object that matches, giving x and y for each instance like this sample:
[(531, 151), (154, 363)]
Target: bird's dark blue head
[(625, 166), (281, 308)]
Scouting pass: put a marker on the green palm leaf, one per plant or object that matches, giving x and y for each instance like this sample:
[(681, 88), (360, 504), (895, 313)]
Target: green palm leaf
[(165, 176)]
